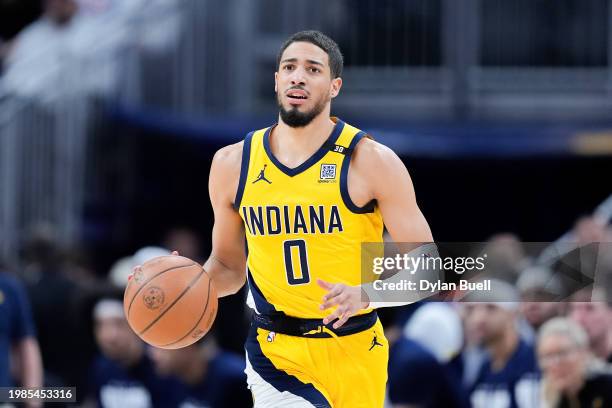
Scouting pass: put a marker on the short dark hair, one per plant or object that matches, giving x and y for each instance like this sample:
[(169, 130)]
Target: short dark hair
[(336, 60)]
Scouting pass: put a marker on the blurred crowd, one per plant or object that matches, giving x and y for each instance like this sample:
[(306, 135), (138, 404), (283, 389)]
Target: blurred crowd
[(543, 340), (85, 39), (544, 344), (62, 324)]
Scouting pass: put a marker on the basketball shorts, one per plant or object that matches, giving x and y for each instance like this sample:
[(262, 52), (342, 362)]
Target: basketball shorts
[(320, 367)]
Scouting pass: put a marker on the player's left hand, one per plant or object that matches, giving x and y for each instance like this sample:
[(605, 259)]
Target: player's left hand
[(349, 300)]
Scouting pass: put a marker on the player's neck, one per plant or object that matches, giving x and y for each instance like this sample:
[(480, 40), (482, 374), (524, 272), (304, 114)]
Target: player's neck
[(294, 145), (502, 349)]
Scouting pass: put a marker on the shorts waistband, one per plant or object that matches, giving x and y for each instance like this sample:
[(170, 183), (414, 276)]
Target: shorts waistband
[(294, 326)]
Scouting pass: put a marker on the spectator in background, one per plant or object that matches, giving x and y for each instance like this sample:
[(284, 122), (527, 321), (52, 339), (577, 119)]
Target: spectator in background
[(210, 378), (589, 309), (40, 50), (506, 257), (418, 379), (571, 377), (540, 292), (231, 332), (123, 374), (590, 229), (53, 298), (17, 333), (473, 354), (423, 363), (508, 378), (186, 242), (122, 268), (88, 40)]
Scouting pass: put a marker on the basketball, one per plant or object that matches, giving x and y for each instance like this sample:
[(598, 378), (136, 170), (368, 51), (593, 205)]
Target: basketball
[(170, 302)]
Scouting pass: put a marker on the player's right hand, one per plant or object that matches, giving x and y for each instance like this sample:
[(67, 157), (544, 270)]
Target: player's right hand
[(137, 267)]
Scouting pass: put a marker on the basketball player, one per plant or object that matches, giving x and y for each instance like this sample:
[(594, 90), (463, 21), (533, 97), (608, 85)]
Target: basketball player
[(306, 192)]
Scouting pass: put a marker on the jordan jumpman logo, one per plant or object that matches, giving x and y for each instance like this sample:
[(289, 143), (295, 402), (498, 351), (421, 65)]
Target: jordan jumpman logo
[(374, 342), (262, 176)]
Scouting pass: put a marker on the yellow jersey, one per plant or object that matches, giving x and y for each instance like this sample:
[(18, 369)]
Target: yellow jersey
[(301, 224)]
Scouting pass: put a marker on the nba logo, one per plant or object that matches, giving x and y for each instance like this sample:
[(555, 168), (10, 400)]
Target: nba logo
[(328, 172), (271, 336)]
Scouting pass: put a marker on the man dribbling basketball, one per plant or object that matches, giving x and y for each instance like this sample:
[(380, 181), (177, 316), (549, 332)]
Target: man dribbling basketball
[(306, 192)]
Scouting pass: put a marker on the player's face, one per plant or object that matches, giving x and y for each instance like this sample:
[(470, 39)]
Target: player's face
[(562, 362), (303, 84)]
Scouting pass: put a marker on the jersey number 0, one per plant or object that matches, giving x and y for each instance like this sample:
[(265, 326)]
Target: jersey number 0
[(301, 246)]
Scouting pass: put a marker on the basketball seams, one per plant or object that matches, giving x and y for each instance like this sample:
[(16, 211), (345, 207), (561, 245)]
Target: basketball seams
[(149, 280), (199, 319), (193, 281)]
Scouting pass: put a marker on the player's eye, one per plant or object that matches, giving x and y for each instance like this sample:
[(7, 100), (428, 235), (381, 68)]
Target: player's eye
[(288, 67), (314, 70)]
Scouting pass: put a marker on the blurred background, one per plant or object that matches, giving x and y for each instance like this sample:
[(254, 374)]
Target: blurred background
[(111, 111)]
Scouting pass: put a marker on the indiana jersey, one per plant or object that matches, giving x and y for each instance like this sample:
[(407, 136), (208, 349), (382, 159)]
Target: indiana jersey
[(301, 224)]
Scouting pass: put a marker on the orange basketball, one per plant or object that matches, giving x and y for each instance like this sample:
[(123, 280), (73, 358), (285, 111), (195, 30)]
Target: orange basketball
[(170, 302)]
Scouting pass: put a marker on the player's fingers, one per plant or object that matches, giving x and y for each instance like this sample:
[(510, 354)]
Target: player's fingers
[(332, 316), (342, 320), (340, 311), (330, 302), (334, 291), (324, 285), (343, 298)]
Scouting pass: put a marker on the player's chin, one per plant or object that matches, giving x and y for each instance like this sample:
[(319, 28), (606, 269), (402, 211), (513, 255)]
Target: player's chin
[(294, 106)]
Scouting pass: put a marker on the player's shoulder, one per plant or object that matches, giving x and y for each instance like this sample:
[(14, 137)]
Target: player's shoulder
[(369, 146), (228, 158), (370, 154), (230, 153)]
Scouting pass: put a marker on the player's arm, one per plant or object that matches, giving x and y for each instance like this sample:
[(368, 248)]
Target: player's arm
[(227, 261), (377, 173), (392, 188)]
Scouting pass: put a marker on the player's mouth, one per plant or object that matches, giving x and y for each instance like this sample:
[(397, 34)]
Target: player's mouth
[(296, 96)]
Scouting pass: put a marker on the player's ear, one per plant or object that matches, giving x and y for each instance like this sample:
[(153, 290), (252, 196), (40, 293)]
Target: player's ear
[(336, 84), (276, 81)]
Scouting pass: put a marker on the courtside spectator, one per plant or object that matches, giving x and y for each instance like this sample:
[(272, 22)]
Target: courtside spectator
[(571, 376), (509, 377), (123, 375), (209, 377), (17, 333)]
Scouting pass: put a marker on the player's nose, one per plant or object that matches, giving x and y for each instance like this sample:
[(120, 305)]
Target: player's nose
[(298, 76)]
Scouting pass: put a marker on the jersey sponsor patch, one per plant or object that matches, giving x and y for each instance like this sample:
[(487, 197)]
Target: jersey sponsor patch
[(328, 172)]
